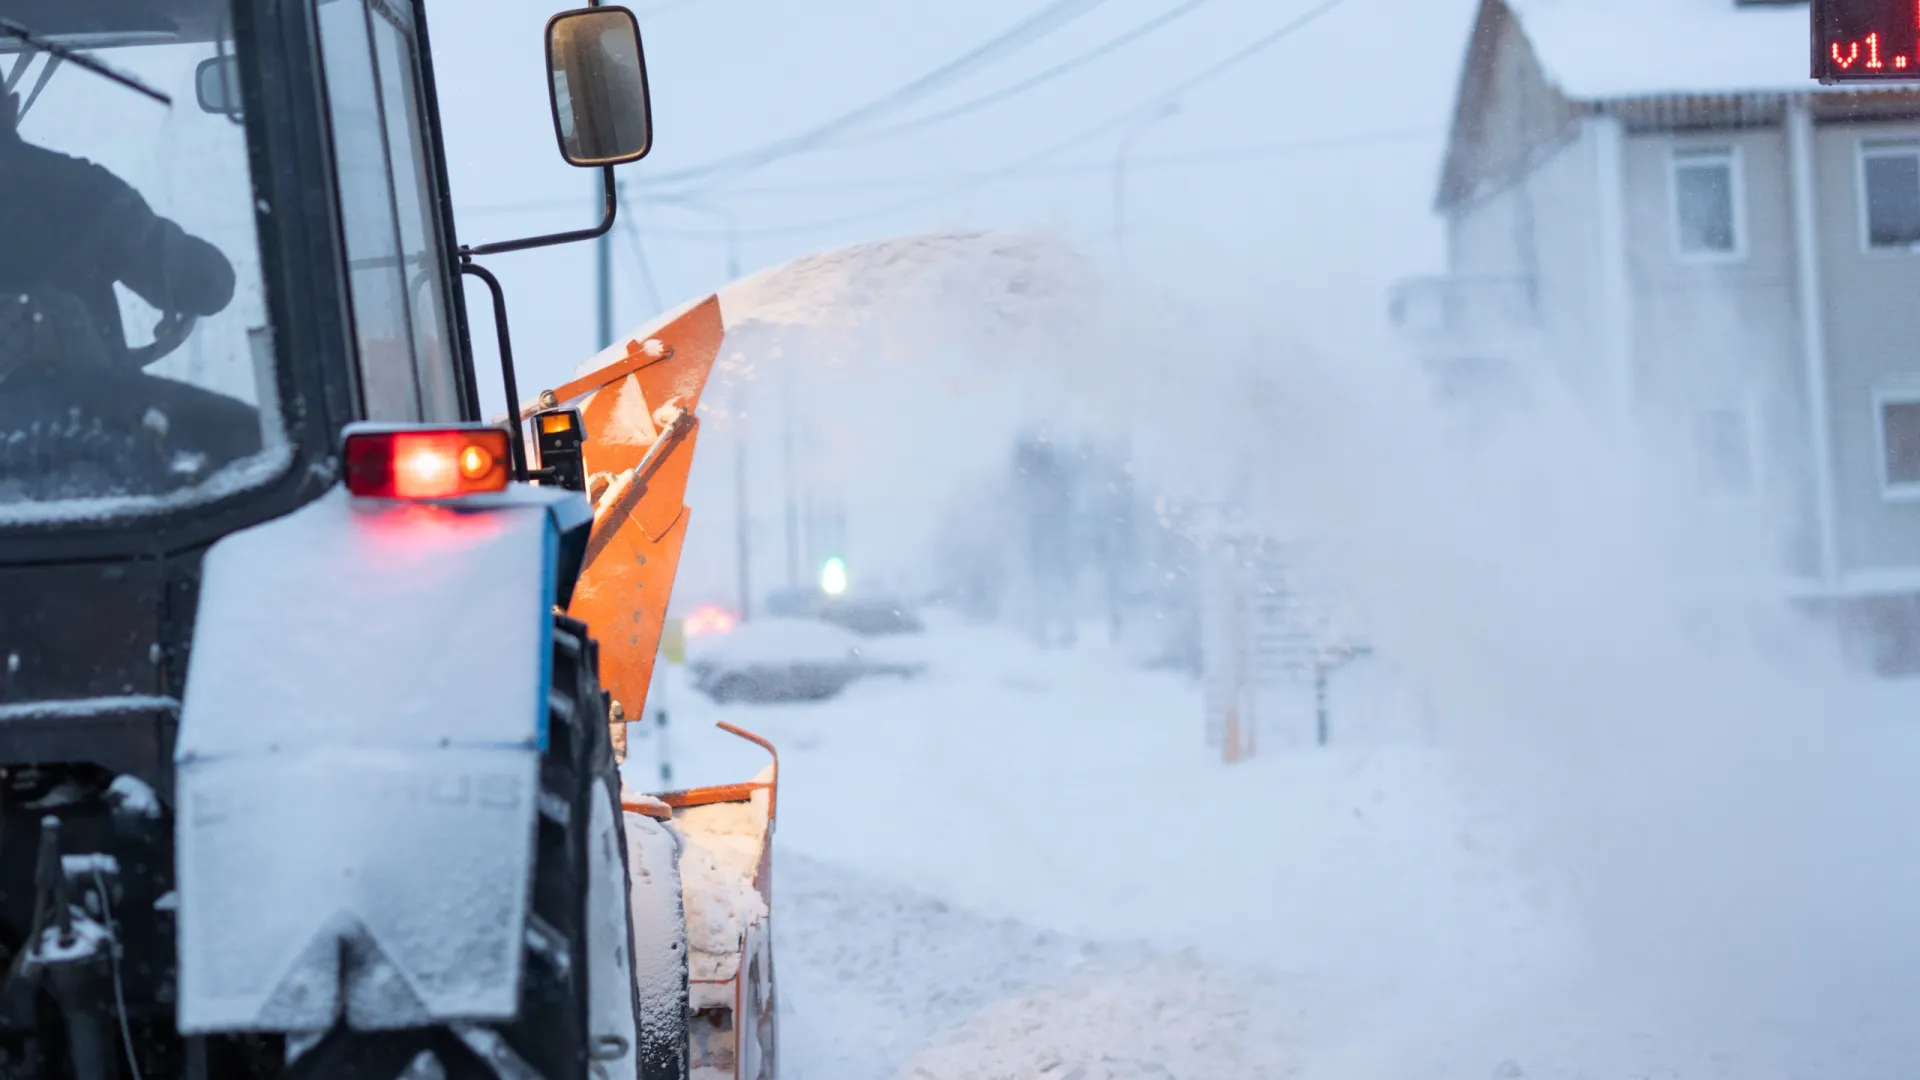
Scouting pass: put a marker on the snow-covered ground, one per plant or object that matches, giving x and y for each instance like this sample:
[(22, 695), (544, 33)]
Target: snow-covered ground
[(1027, 864)]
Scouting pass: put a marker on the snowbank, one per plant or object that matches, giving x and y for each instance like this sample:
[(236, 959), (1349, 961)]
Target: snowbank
[(717, 871), (1376, 909)]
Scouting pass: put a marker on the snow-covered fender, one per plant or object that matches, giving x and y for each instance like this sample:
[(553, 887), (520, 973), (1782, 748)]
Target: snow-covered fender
[(358, 761)]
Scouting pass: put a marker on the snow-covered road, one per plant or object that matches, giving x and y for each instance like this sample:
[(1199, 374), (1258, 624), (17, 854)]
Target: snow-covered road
[(1027, 865), (880, 982)]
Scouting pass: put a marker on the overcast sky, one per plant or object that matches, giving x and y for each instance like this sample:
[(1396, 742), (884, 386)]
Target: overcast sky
[(1294, 186), (1306, 233)]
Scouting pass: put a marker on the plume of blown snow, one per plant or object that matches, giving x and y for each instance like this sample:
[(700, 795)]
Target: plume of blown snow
[(984, 284), (1726, 819), (1724, 814)]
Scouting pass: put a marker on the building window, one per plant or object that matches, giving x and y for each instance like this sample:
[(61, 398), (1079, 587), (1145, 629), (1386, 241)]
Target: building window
[(1898, 415), (1890, 192), (1706, 204), (1723, 444)]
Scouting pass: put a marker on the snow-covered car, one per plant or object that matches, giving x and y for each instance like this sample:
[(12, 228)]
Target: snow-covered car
[(867, 614), (782, 659)]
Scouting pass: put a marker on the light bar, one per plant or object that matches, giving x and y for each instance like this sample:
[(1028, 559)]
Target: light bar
[(427, 463)]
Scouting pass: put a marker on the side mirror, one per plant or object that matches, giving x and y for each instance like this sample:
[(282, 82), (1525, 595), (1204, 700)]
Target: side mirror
[(598, 79), (217, 83)]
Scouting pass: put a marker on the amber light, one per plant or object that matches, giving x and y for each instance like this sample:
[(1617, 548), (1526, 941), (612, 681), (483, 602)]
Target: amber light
[(426, 463)]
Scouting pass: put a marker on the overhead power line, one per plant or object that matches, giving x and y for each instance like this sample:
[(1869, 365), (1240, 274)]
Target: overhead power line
[(967, 183), (1112, 123), (1054, 15), (1024, 85), (642, 264), (1189, 158)]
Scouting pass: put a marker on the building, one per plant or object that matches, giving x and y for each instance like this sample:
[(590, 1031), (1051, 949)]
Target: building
[(1654, 199)]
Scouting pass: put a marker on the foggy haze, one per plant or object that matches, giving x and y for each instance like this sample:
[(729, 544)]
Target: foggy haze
[(1668, 828)]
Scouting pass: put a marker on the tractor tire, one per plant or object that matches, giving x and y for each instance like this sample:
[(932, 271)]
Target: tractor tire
[(551, 1034), (552, 1038)]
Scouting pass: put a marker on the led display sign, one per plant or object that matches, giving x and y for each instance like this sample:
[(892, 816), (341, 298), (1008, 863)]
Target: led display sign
[(1866, 40)]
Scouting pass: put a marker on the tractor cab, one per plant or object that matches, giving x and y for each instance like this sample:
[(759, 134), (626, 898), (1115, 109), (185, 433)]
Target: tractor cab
[(231, 321), (139, 378), (227, 237)]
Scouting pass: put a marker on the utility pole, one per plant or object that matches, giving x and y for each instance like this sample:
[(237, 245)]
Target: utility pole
[(603, 269)]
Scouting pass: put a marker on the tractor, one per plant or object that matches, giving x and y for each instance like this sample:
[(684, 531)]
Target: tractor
[(313, 680)]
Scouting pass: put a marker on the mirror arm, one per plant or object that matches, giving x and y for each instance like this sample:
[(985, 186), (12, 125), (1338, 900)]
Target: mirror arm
[(516, 443), (602, 229)]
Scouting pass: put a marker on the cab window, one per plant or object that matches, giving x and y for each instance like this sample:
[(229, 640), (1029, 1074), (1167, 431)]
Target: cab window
[(396, 260)]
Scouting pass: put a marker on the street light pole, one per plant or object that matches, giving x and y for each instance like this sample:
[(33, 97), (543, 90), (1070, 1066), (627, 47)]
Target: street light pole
[(1164, 112)]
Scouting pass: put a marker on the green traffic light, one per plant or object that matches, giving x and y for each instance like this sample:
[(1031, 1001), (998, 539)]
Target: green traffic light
[(833, 576)]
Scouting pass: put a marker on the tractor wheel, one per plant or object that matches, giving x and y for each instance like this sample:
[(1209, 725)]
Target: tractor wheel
[(552, 1033), (553, 1037)]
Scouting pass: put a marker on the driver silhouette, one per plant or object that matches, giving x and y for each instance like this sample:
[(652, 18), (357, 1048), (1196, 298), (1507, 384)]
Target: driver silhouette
[(79, 417), (68, 226)]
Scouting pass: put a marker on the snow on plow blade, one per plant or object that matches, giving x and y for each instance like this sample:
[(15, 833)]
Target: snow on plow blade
[(726, 873)]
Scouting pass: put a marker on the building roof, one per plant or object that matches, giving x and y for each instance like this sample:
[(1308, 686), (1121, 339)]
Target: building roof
[(1658, 65), (1607, 50)]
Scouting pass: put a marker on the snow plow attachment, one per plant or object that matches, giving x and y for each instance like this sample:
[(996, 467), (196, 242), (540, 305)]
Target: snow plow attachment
[(725, 869), (641, 427), (700, 860)]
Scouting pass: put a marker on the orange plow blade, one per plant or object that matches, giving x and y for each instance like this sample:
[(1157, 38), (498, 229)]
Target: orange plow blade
[(641, 430)]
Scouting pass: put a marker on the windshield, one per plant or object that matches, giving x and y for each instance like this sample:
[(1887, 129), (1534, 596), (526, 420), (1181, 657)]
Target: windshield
[(135, 356)]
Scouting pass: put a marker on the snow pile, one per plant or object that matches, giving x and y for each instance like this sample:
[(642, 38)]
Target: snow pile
[(717, 872), (881, 983), (1059, 807), (1153, 1018), (1075, 795)]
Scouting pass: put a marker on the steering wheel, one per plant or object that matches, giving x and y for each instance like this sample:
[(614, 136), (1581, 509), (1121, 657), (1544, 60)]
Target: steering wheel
[(169, 333)]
